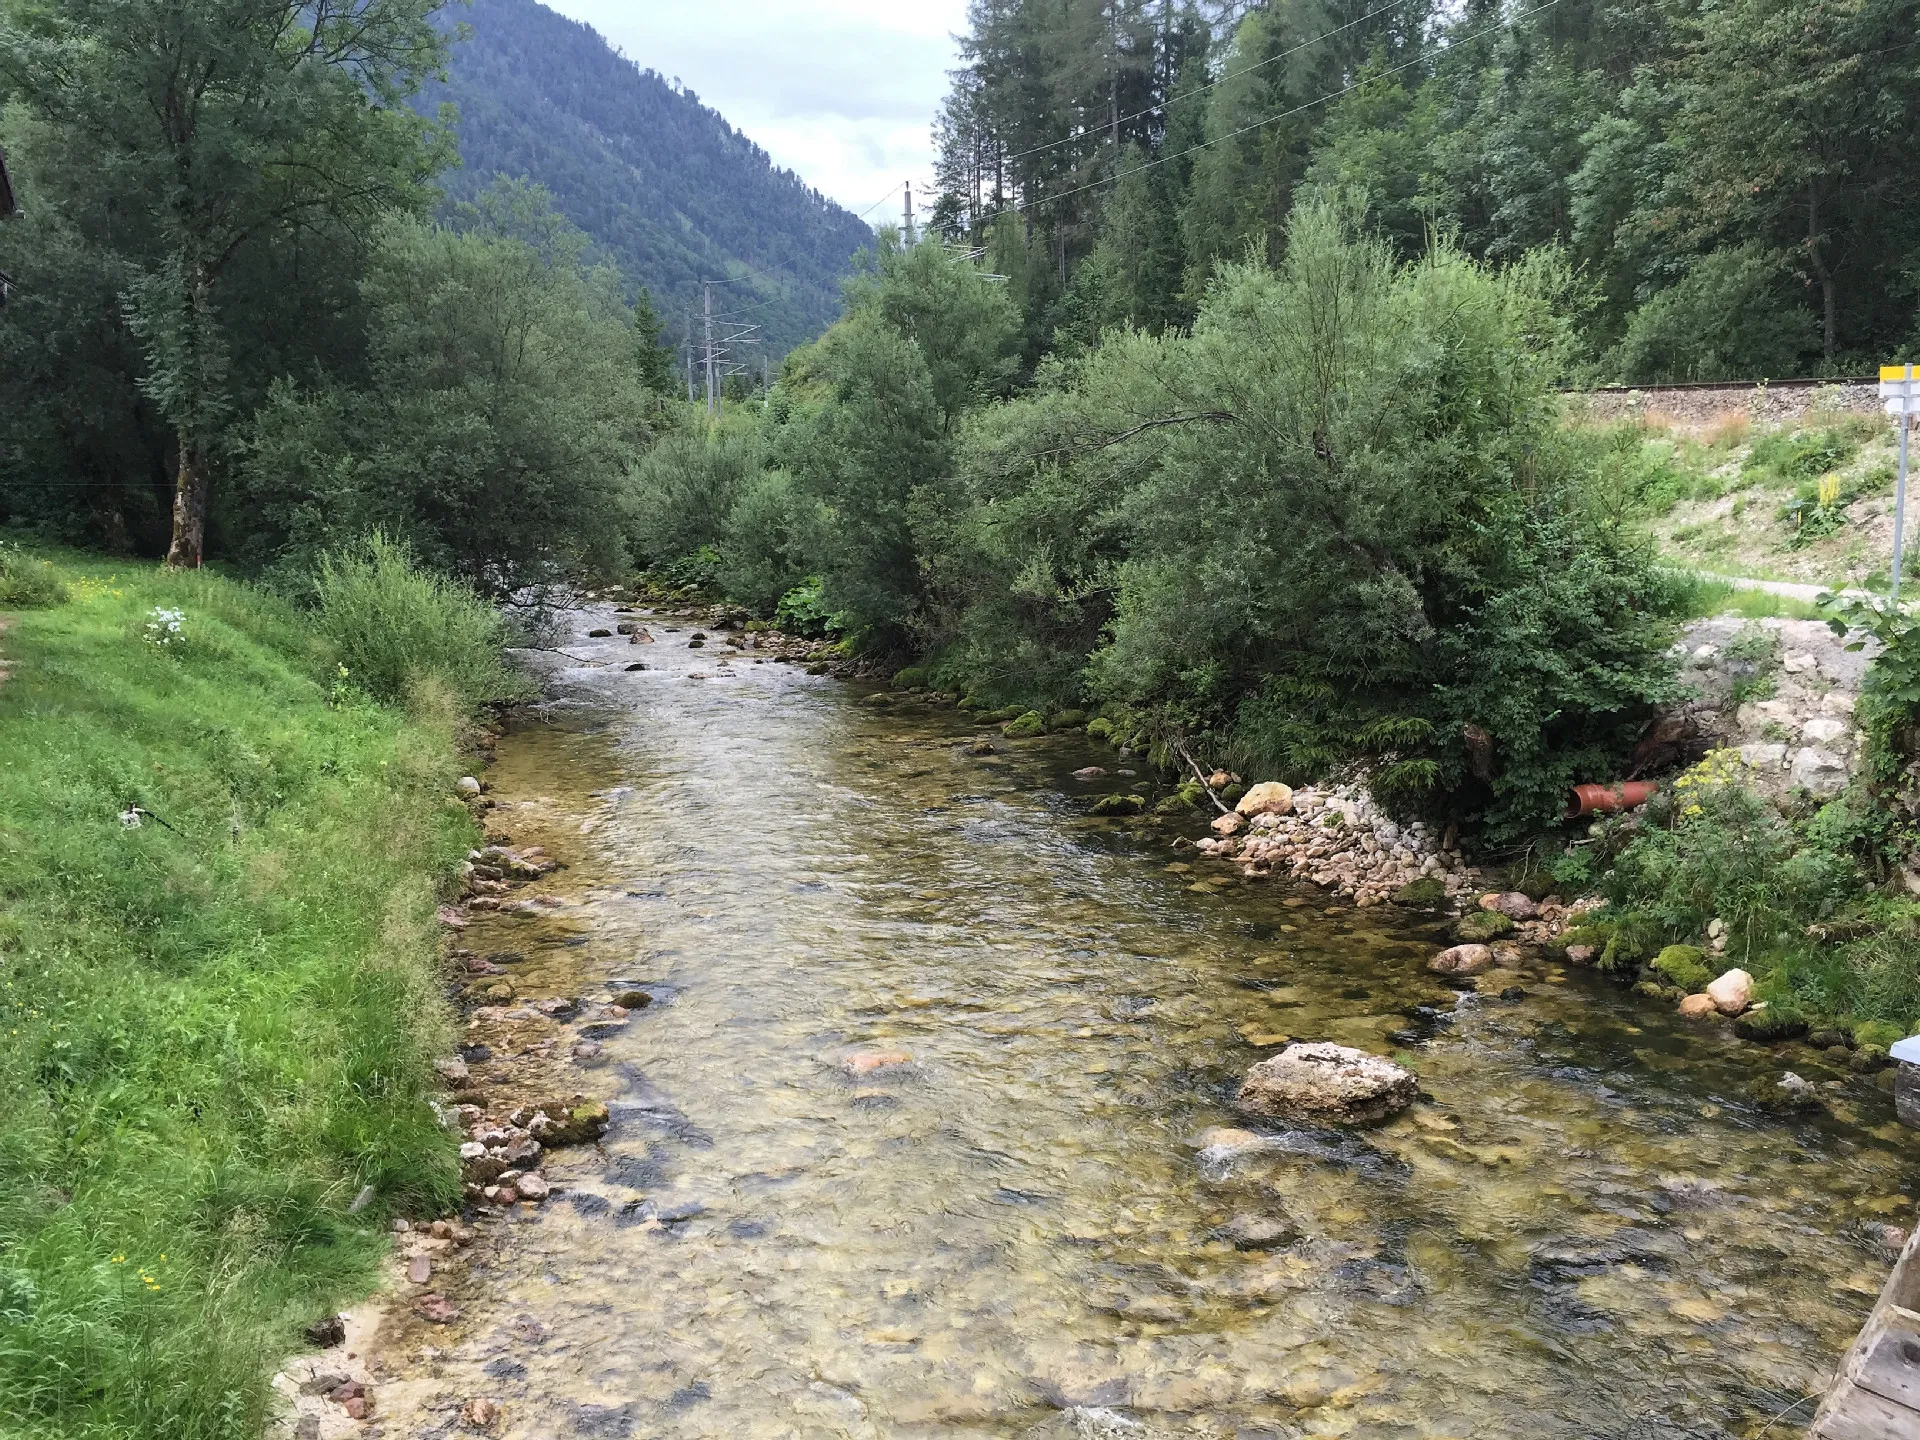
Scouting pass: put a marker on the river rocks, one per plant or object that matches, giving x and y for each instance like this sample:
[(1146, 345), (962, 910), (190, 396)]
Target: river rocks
[(1461, 960), (532, 1187), (467, 786), (1732, 992), (869, 1062), (1269, 798), (1481, 926), (1698, 1007), (1511, 904), (1788, 1094), (1259, 1232), (1121, 804), (1229, 824), (1089, 772), (453, 1071), (1327, 1083), (436, 1309)]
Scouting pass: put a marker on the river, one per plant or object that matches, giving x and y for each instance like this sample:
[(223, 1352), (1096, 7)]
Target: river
[(1580, 1233)]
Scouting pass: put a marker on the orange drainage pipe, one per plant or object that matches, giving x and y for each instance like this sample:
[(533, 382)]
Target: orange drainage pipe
[(1606, 799)]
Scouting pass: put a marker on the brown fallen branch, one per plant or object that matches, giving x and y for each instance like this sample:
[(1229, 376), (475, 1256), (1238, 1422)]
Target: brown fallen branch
[(1201, 776)]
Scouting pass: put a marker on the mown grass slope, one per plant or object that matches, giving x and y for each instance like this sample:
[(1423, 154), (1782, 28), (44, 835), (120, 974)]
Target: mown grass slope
[(213, 1030)]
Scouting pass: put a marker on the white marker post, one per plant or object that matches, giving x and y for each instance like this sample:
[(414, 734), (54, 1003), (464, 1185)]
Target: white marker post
[(1896, 393)]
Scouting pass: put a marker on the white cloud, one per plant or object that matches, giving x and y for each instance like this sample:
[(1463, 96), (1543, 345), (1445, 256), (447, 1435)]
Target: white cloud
[(843, 92)]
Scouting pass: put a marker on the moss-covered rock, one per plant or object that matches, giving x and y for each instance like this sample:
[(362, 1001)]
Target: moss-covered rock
[(1067, 720), (1429, 892), (1536, 884), (1878, 1032), (1651, 990), (1481, 926), (1868, 1058), (1830, 1037), (1786, 1094), (1006, 713), (1119, 805), (1175, 804), (1023, 727), (1775, 1022), (1685, 966), (1100, 729), (914, 677)]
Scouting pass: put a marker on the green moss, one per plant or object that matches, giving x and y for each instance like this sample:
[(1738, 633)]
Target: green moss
[(1119, 805), (1429, 892), (1685, 966), (1481, 926), (914, 677), (1878, 1032), (1776, 1022), (1023, 727), (1100, 729), (1067, 720)]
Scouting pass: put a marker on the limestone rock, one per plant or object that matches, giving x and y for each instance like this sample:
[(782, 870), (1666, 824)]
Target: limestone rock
[(1332, 1084), (1229, 824), (867, 1062), (1271, 798), (1820, 773), (1732, 992), (1461, 960), (467, 785), (1698, 1007)]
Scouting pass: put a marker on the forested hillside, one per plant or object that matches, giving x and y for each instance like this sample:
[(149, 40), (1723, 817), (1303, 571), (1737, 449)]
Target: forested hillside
[(1734, 183), (663, 183)]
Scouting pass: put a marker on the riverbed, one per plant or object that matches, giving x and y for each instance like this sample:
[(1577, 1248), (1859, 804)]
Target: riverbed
[(1027, 1230)]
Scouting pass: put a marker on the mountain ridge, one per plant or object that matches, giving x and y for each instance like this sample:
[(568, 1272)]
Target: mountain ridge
[(660, 181)]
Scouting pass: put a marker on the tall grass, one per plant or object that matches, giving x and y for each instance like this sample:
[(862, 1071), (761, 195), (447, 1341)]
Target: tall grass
[(398, 626), (1702, 597), (216, 1024)]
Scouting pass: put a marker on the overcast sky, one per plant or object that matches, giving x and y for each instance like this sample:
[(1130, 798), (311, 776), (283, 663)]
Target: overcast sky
[(843, 92)]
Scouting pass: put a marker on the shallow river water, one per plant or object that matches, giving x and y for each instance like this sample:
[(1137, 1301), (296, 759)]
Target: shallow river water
[(1580, 1232)]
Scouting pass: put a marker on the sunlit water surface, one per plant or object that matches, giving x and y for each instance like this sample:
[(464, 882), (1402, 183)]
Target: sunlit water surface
[(1580, 1233)]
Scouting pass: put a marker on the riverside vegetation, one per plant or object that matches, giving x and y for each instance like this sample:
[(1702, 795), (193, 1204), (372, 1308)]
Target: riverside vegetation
[(218, 970), (1298, 503)]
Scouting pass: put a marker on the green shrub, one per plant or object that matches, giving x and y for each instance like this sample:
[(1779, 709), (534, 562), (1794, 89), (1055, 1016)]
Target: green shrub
[(28, 583), (803, 611), (1684, 965), (398, 627)]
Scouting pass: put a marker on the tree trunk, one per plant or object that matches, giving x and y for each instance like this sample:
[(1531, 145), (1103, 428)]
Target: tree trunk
[(189, 507), (1829, 340)]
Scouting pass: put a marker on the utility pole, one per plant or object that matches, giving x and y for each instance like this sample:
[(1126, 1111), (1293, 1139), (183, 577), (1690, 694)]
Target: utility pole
[(713, 398), (909, 229), (689, 357)]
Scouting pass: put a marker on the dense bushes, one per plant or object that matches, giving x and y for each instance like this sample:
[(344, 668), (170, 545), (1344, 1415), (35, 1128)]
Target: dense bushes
[(1337, 522), (502, 406)]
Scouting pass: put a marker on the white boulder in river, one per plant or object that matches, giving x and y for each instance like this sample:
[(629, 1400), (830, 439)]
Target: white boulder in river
[(1329, 1084)]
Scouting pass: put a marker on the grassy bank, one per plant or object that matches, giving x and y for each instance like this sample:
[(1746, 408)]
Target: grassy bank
[(217, 1022)]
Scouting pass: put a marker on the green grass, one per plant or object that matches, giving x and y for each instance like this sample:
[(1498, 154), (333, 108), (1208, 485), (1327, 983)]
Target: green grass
[(1703, 597), (216, 1030)]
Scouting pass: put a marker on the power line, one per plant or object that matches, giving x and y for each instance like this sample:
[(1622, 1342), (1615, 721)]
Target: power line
[(1271, 119)]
